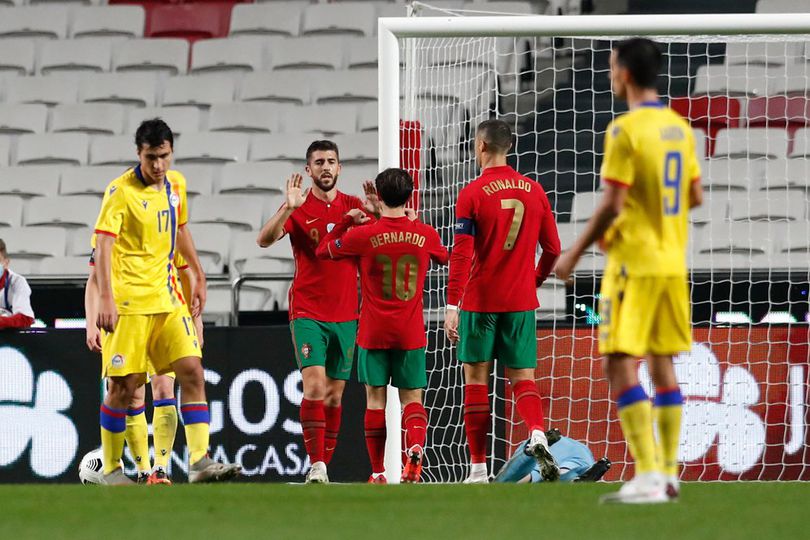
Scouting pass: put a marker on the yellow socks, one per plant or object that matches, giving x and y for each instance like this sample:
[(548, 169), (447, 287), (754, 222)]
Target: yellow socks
[(113, 425), (164, 428), (137, 437), (668, 406), (196, 419), (635, 415)]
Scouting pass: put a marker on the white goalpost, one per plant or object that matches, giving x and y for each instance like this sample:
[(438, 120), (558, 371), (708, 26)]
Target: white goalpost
[(743, 81)]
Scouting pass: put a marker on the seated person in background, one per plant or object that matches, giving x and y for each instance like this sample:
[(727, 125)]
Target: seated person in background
[(15, 296), (575, 460)]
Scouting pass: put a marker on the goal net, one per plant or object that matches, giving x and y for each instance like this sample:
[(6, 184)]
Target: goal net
[(744, 92)]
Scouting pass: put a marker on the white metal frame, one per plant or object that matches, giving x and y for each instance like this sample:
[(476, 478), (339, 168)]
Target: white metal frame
[(389, 29)]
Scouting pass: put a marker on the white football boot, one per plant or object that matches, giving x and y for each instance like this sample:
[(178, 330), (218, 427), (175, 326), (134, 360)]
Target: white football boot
[(317, 474), (478, 474), (645, 488)]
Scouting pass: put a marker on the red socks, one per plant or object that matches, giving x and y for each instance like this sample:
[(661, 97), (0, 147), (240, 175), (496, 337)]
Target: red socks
[(332, 430), (313, 422), (414, 420), (529, 405), (476, 420), (375, 439)]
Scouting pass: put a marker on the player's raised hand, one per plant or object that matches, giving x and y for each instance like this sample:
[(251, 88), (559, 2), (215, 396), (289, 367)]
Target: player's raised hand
[(451, 325), (295, 194), (198, 297), (358, 216), (372, 204), (93, 339), (565, 265), (107, 314)]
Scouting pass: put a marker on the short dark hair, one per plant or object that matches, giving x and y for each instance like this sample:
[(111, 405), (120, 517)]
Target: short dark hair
[(152, 133), (642, 58), (3, 252), (322, 146), (394, 186), (497, 134)]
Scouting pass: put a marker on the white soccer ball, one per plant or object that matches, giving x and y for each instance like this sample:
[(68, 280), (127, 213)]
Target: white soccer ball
[(91, 467)]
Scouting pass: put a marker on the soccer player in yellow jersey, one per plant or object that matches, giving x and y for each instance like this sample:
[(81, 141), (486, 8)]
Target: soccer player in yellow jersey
[(144, 317), (651, 179)]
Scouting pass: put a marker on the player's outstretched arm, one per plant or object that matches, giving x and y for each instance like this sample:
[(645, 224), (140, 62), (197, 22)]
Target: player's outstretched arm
[(273, 230), (549, 241), (185, 245), (695, 193), (334, 245), (93, 337), (187, 282), (107, 311)]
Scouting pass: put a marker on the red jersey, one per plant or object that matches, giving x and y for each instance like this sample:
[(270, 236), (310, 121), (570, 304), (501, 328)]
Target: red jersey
[(500, 218), (394, 255), (323, 290)]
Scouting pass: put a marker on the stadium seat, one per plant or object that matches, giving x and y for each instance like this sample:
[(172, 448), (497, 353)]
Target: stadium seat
[(358, 147), (90, 118), (116, 150), (211, 148), (281, 146), (212, 242), (23, 118), (52, 90), (367, 120), (751, 143), (134, 89), (34, 242), (258, 177), (569, 232), (180, 119), (778, 205), (724, 261), (710, 113), (199, 179), (733, 174), (801, 144), (584, 205), (244, 117), (787, 174), (362, 53), (189, 90), (49, 21), (107, 22), (52, 149), (713, 210), (551, 297), (189, 21), (18, 56), (11, 215), (168, 56), (783, 6), (78, 242), (328, 119), (63, 266), (352, 176), (88, 180), (798, 237), (227, 55), (240, 212), (751, 80), (68, 212), (792, 260), (5, 150), (346, 86), (293, 87), (743, 237), (353, 18), (278, 289), (29, 181), (765, 53), (244, 247), (271, 19), (700, 143), (323, 52), (75, 56)]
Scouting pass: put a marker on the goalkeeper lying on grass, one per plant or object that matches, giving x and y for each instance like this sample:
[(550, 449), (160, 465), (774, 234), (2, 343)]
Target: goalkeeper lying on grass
[(574, 459)]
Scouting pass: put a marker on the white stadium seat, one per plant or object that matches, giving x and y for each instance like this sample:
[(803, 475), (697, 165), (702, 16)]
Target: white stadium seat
[(291, 87), (34, 242), (328, 119), (199, 179), (52, 149), (346, 86), (5, 150), (52, 90), (75, 56), (584, 204), (212, 242), (237, 211), (744, 237), (551, 297), (353, 18), (274, 19), (733, 174), (752, 143), (78, 242), (18, 56), (180, 119), (714, 208), (783, 6), (68, 212), (793, 260), (244, 247), (116, 150), (107, 22), (323, 52), (244, 117), (700, 142), (569, 232), (190, 90), (362, 53), (766, 53), (752, 80), (777, 205), (801, 144), (367, 120), (11, 213), (158, 55), (227, 55), (723, 260), (358, 147), (50, 21), (90, 118), (136, 89), (63, 266), (352, 176), (17, 119), (282, 146), (88, 180), (211, 147), (271, 204), (256, 177), (798, 237), (29, 181), (260, 265), (787, 173)]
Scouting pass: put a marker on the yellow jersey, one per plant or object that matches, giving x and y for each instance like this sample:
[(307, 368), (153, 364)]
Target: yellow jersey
[(650, 151), (144, 220)]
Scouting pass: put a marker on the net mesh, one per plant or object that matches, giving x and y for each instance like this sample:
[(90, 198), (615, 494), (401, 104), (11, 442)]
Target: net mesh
[(745, 379)]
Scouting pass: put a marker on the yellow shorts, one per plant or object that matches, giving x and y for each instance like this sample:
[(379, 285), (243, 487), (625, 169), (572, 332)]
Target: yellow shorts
[(149, 344), (642, 316)]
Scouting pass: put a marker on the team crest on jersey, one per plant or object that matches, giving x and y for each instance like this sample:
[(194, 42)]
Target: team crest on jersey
[(306, 350), (145, 204), (174, 200), (118, 361), (329, 227), (338, 243)]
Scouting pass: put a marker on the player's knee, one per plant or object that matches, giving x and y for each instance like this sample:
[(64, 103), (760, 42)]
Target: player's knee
[(162, 387), (121, 390)]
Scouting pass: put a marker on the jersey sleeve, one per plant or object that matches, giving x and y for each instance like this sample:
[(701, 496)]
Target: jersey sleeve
[(21, 298), (549, 241), (463, 247), (179, 262), (341, 242), (618, 165), (182, 211), (693, 172), (111, 215), (438, 253)]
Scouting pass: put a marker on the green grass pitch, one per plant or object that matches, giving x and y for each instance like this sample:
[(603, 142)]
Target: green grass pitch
[(554, 512)]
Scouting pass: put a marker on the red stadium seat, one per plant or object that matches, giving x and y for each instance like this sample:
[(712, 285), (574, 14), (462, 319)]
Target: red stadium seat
[(190, 22), (709, 113), (792, 112)]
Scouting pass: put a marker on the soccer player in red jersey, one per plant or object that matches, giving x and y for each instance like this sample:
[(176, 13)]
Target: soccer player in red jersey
[(394, 254), (500, 218), (323, 298)]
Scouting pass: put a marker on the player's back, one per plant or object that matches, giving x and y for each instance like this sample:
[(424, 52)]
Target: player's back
[(508, 212), (651, 151)]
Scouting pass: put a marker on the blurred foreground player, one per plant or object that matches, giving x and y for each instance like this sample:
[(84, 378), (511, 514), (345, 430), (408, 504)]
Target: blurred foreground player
[(574, 459), (500, 218), (144, 317), (323, 298), (15, 296), (651, 178), (394, 255)]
